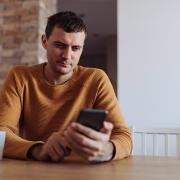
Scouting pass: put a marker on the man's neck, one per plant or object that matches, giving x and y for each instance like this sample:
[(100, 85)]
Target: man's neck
[(55, 78)]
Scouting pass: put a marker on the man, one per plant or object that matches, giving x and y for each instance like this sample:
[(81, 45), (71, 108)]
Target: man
[(40, 104)]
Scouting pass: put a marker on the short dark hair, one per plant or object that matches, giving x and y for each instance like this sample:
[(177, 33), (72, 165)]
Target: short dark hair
[(67, 20)]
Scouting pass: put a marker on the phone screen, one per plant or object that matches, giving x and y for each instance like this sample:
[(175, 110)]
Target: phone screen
[(92, 118)]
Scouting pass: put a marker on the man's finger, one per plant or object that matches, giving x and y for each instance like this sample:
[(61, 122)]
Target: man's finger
[(107, 127)]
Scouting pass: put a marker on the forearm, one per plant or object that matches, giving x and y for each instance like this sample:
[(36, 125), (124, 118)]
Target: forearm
[(123, 143), (34, 152), (15, 146)]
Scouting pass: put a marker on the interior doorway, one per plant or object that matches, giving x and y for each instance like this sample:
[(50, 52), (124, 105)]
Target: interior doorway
[(100, 49)]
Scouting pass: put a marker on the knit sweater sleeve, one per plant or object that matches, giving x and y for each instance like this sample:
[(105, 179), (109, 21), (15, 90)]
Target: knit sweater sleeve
[(11, 103), (106, 99)]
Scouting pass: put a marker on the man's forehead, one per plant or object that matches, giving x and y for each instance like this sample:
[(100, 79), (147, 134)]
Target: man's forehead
[(75, 38), (59, 30)]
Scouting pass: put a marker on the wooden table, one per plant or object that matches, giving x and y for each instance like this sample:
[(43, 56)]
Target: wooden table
[(133, 168)]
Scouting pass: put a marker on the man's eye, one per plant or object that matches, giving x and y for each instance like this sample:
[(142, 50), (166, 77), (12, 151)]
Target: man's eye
[(61, 46), (76, 48)]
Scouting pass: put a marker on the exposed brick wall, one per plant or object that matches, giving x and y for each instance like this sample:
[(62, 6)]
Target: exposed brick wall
[(46, 8), (21, 24)]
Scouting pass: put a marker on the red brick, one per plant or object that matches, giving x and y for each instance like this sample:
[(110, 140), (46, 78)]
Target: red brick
[(21, 25)]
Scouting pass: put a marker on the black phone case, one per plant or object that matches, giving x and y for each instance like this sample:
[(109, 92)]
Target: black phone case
[(92, 118)]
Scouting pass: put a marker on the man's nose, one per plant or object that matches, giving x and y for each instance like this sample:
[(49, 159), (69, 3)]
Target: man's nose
[(67, 53)]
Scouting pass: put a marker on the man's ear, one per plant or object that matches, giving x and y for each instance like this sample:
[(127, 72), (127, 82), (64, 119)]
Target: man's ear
[(44, 41)]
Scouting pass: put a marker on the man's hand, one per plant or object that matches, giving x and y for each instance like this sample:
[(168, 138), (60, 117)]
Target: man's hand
[(92, 145), (54, 149)]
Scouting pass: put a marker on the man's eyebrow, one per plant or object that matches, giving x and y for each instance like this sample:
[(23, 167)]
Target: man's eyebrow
[(64, 44), (59, 42)]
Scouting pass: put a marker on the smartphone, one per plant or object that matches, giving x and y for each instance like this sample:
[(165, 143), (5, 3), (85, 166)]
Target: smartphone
[(92, 118)]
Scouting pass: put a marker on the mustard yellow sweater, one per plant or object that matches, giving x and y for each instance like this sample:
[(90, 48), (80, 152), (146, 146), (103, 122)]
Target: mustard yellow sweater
[(31, 108)]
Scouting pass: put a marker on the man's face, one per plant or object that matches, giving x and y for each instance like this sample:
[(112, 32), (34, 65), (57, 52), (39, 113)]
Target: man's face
[(63, 50)]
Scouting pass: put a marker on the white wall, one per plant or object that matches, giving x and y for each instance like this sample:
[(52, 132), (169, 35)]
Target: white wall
[(149, 62)]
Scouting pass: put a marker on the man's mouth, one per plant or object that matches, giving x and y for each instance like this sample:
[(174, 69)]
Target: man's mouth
[(62, 64)]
